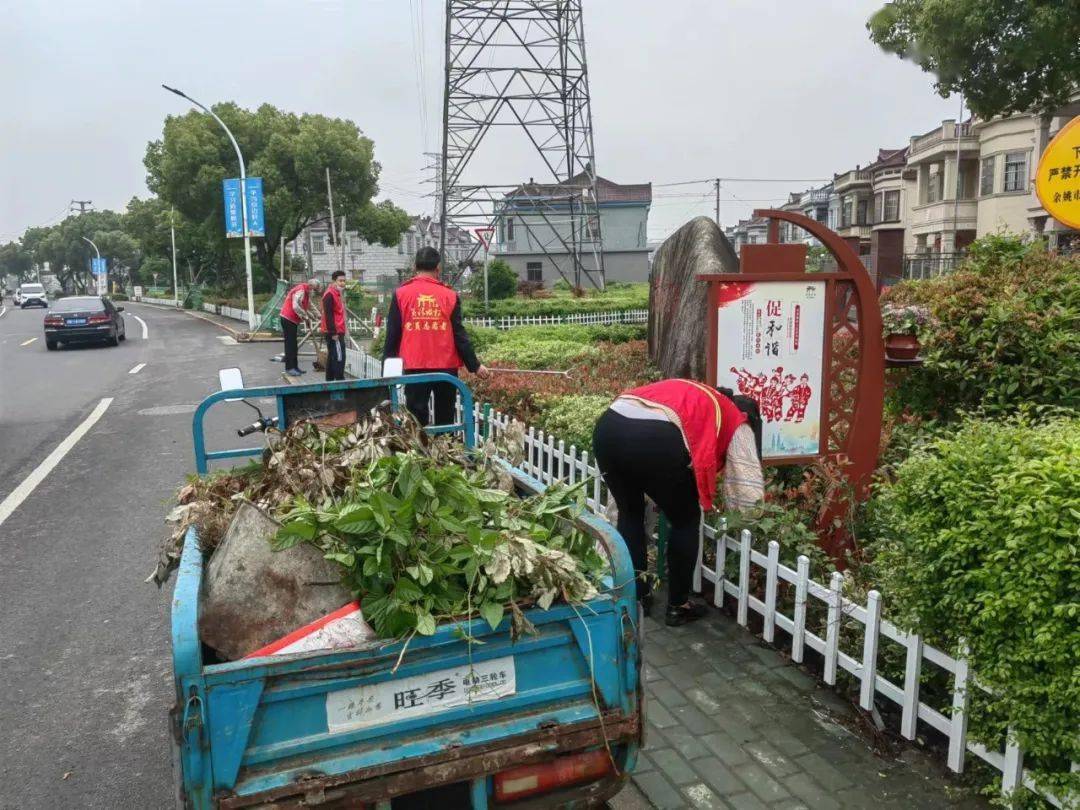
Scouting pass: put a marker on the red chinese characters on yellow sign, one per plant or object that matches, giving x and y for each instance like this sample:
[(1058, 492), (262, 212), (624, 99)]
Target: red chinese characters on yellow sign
[(1057, 180)]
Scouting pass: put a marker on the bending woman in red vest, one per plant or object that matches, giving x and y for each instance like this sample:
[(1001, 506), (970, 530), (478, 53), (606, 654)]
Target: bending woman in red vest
[(668, 441), (424, 328)]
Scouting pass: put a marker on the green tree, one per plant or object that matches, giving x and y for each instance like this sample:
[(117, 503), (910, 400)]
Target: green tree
[(16, 260), (291, 153), (501, 280), (1003, 55), (68, 254)]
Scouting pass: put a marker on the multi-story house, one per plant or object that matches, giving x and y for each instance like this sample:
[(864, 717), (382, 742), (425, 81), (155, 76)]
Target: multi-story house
[(889, 216), (812, 203), (753, 231), (530, 233), (371, 262)]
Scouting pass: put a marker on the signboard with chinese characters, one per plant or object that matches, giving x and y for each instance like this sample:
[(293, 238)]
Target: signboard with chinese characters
[(234, 215), (419, 695), (253, 190), (770, 337), (1057, 180), (97, 267)]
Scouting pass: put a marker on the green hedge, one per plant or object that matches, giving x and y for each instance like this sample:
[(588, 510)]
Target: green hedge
[(615, 298), (1005, 329), (572, 418), (979, 539)]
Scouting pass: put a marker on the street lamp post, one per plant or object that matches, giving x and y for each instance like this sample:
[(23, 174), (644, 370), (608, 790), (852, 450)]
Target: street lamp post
[(243, 201), (101, 281), (172, 234)]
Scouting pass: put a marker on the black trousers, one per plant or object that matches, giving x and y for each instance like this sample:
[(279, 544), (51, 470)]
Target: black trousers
[(417, 396), (288, 330), (335, 357), (640, 457)]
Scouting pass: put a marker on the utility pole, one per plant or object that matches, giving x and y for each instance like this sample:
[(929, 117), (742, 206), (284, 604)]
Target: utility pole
[(172, 235), (82, 205), (281, 257), (717, 184), (330, 199), (243, 200)]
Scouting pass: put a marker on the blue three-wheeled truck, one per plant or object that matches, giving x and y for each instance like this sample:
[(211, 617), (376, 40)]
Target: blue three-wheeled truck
[(560, 727)]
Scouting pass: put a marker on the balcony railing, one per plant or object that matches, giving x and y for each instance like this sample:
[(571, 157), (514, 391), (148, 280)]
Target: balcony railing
[(943, 133), (853, 176), (928, 265)]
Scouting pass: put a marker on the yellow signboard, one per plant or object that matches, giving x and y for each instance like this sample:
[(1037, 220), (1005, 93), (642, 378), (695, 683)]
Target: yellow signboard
[(1057, 180)]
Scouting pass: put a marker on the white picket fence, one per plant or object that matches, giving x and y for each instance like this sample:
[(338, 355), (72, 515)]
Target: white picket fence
[(580, 319), (549, 459)]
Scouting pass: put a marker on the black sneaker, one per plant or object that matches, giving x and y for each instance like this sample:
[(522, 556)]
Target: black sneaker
[(682, 614)]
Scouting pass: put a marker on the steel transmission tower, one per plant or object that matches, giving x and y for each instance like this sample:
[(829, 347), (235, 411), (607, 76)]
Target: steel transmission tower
[(517, 67)]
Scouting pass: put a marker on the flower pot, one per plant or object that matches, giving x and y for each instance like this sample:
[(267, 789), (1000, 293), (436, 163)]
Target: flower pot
[(902, 346)]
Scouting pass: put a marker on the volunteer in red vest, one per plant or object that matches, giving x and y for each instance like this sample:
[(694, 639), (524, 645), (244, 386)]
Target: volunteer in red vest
[(668, 440), (299, 306), (424, 328), (334, 326)]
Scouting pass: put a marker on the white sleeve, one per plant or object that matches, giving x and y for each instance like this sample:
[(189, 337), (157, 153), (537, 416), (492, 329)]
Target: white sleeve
[(298, 302), (744, 482)]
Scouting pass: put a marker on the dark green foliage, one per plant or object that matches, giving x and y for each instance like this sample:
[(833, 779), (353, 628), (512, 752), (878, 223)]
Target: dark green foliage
[(502, 282), (1003, 55)]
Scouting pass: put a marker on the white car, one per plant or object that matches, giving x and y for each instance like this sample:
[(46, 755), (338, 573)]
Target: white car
[(30, 295)]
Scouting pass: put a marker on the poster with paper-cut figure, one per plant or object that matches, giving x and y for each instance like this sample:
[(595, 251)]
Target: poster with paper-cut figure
[(770, 339)]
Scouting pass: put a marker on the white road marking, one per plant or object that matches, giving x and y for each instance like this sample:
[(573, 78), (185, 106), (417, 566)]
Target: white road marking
[(140, 320), (3, 311), (27, 342), (137, 368), (29, 484), (228, 340)]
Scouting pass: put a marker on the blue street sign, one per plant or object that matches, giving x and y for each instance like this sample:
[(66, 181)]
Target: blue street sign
[(254, 193), (97, 267), (234, 221), (234, 215)]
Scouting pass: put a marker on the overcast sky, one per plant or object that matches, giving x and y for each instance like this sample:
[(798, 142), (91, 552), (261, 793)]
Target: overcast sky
[(681, 90)]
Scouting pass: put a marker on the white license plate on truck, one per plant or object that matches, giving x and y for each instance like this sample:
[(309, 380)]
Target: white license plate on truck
[(420, 695)]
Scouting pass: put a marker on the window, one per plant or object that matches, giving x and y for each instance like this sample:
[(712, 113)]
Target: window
[(845, 214), (534, 271), (860, 212), (318, 243), (935, 186), (593, 227), (891, 210), (1016, 171), (879, 208), (356, 244), (986, 176), (509, 229), (401, 246), (821, 214)]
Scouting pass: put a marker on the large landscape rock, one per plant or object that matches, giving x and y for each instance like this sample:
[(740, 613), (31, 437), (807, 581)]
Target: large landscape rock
[(678, 301), (253, 595)]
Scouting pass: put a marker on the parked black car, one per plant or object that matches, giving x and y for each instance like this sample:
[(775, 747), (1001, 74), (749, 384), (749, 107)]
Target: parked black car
[(84, 319)]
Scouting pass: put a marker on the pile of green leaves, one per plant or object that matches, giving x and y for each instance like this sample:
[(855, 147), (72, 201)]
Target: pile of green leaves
[(1004, 329), (979, 539), (422, 542)]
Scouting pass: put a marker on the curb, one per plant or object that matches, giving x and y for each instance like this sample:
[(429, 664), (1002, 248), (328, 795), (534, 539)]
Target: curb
[(239, 335)]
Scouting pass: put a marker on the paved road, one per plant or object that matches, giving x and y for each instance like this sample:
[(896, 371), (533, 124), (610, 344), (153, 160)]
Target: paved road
[(84, 659)]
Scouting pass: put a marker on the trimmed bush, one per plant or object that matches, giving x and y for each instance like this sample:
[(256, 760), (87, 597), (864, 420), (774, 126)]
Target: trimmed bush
[(1005, 329), (572, 418), (979, 539), (617, 297), (554, 355), (501, 278)]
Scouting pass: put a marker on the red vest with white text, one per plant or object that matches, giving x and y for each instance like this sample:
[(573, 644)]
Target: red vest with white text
[(707, 420), (427, 336), (288, 311)]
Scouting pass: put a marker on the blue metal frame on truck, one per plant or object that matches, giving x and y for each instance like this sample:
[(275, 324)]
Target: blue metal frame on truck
[(258, 730), (281, 392)]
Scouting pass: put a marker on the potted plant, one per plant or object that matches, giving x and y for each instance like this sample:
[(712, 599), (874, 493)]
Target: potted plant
[(901, 326)]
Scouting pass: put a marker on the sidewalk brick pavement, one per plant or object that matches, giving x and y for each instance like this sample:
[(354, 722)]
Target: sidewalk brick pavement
[(731, 723)]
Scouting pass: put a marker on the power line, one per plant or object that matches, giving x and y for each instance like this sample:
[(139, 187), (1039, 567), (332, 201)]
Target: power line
[(744, 180)]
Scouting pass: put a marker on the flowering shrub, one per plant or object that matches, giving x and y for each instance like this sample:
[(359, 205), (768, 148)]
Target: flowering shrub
[(1003, 329), (909, 320)]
